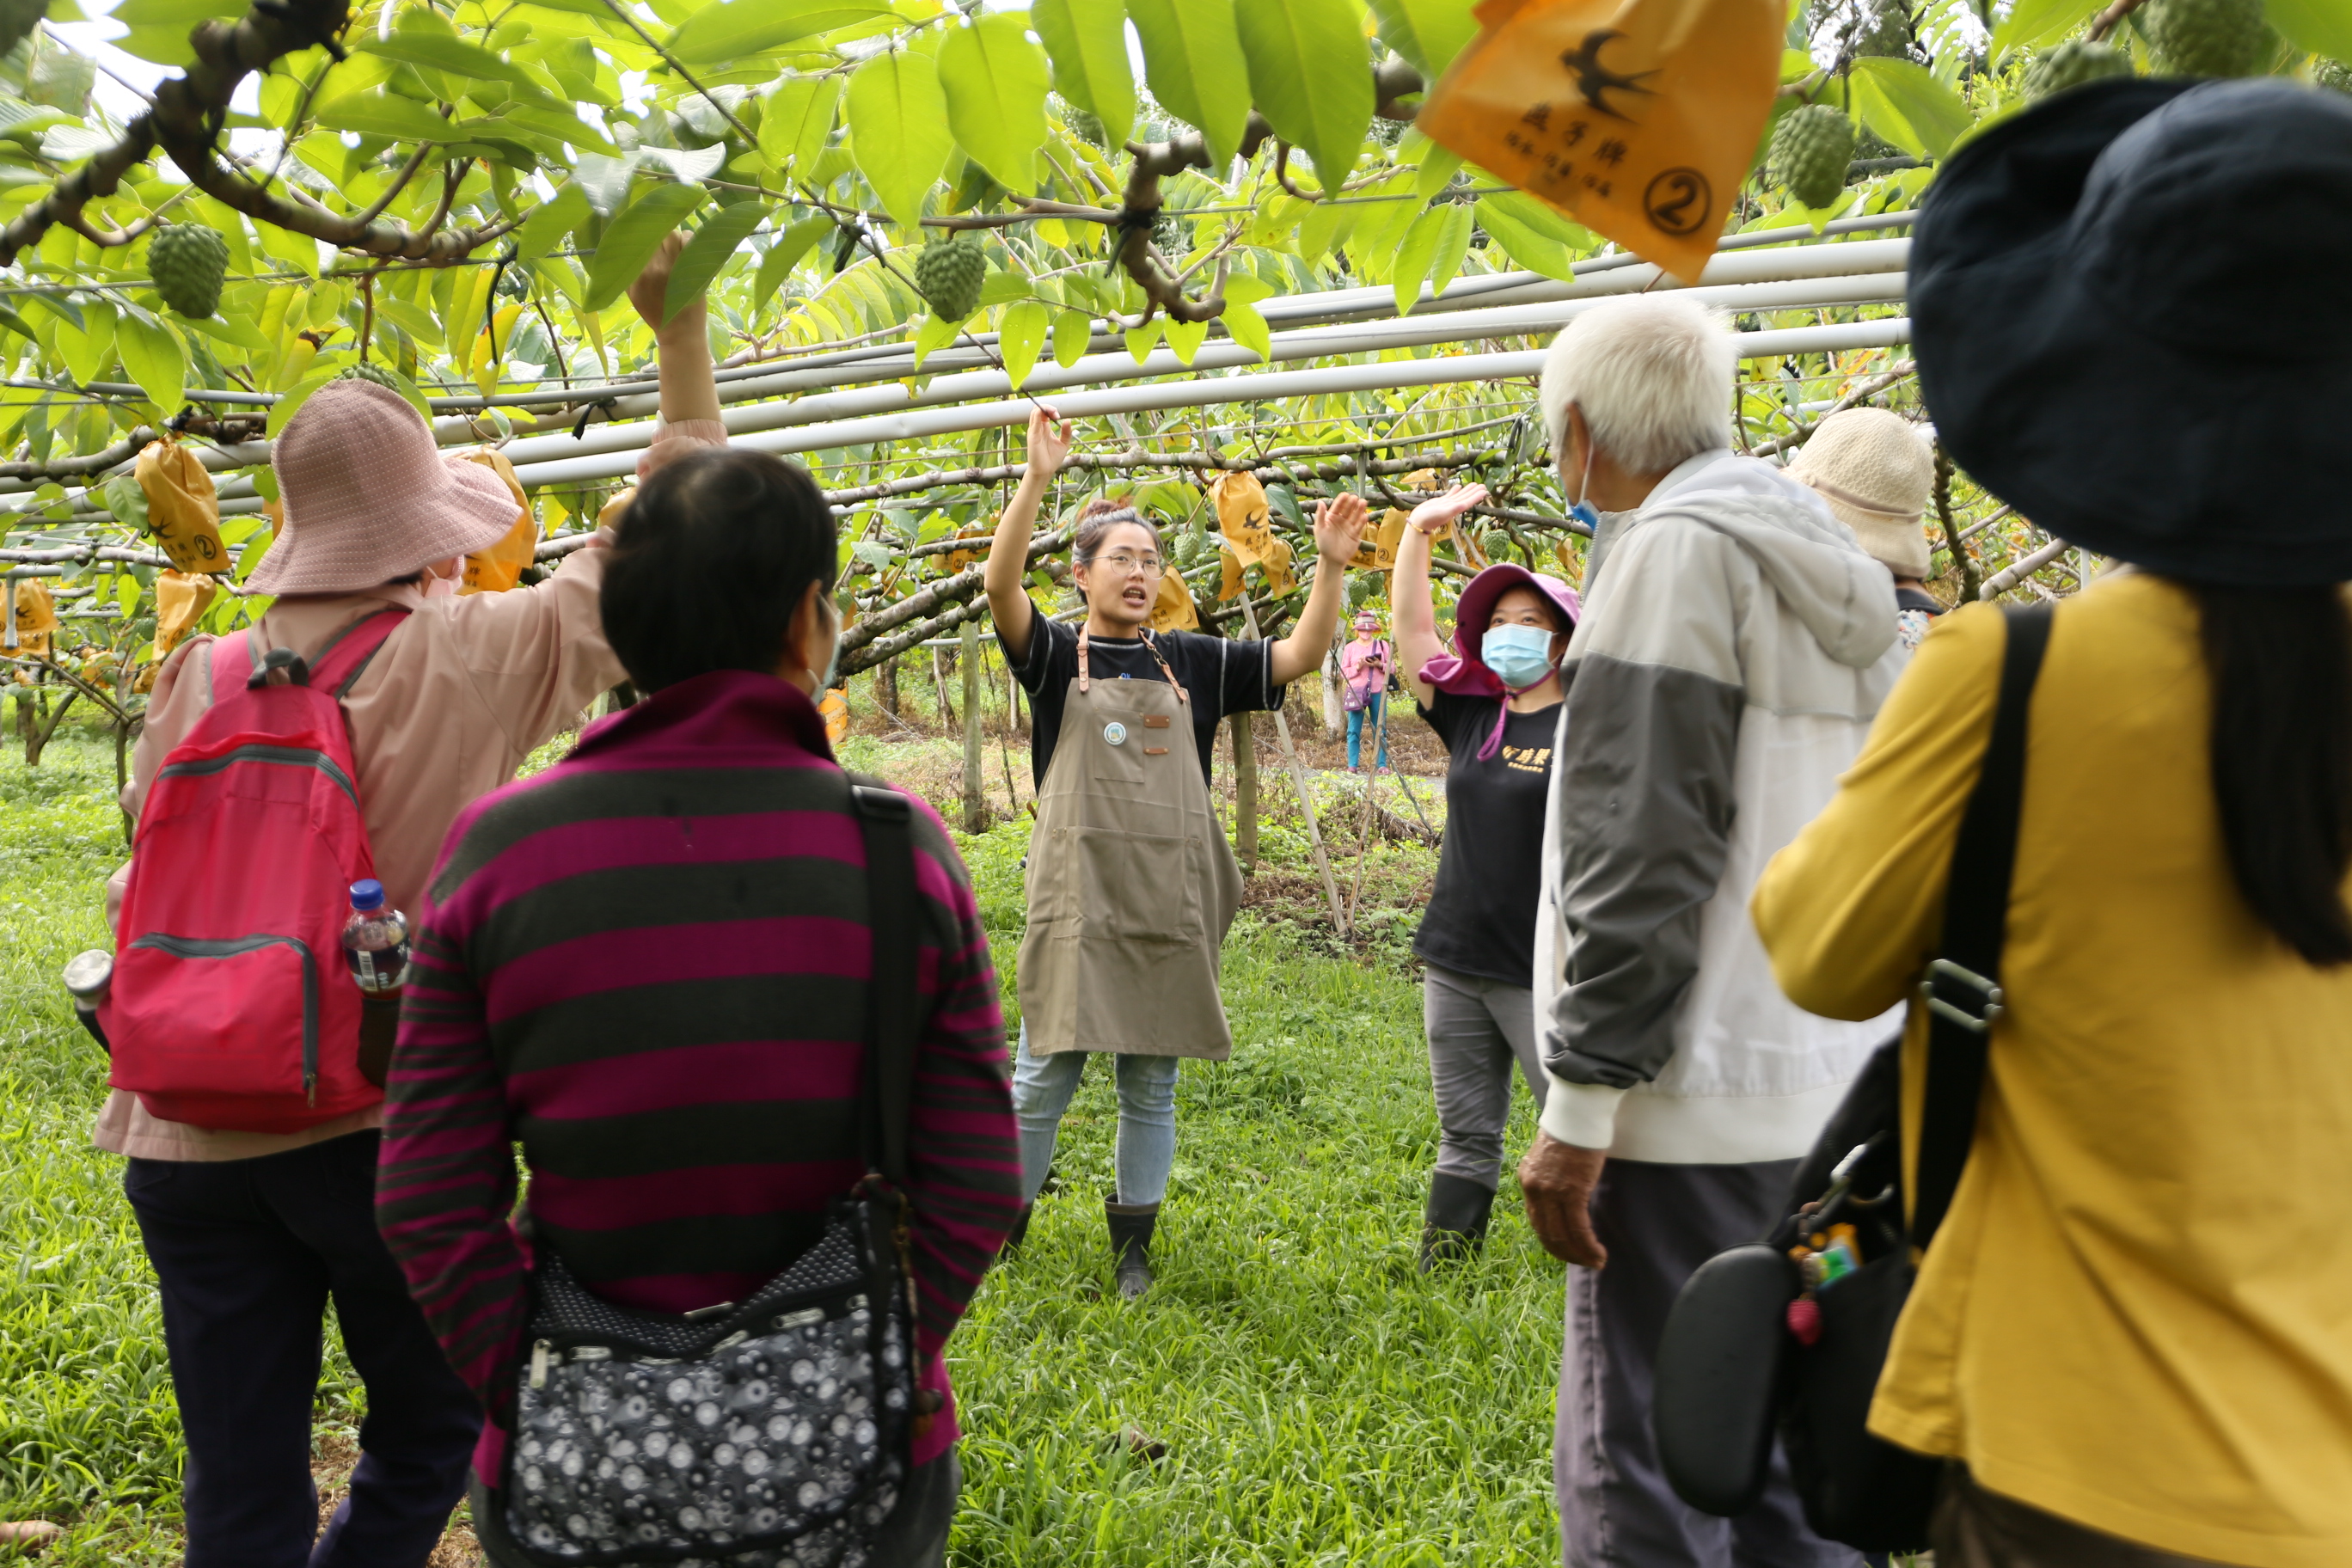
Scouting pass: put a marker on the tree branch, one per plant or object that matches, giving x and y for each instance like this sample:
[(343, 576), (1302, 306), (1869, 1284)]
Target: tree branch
[(2106, 20)]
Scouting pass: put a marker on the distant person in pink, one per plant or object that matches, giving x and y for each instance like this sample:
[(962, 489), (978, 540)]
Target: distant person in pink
[(1365, 665)]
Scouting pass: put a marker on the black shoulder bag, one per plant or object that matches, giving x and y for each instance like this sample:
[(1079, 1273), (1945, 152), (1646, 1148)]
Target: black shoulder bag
[(1790, 1335), (784, 1420)]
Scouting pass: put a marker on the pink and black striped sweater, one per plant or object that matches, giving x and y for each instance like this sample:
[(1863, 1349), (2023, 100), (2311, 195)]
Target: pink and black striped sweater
[(648, 966)]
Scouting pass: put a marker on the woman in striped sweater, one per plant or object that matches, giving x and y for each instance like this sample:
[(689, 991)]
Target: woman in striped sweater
[(648, 966)]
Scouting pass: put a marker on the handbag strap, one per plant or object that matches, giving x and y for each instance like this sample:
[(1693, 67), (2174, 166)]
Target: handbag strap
[(883, 818), (1961, 988)]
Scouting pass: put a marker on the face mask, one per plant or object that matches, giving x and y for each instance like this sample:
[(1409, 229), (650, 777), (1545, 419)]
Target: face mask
[(437, 586), (1520, 656)]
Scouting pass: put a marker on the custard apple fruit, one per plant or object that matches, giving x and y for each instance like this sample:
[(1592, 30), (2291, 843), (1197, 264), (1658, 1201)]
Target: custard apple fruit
[(188, 262), (363, 371), (948, 277), (2072, 64), (1811, 149), (2207, 37)]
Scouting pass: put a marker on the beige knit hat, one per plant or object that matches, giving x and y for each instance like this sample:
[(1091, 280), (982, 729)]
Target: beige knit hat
[(369, 497), (1875, 473)]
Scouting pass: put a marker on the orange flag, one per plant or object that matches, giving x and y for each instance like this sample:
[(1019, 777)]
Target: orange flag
[(1636, 118)]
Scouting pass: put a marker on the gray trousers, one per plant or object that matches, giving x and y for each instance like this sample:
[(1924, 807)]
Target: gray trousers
[(1477, 1028), (1616, 1510)]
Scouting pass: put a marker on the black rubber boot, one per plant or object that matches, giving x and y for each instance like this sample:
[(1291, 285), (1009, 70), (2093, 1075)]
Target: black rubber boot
[(1020, 1232), (1453, 1226), (1130, 1244)]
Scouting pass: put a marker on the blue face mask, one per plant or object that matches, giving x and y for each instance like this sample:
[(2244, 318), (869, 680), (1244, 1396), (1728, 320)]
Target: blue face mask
[(1520, 656)]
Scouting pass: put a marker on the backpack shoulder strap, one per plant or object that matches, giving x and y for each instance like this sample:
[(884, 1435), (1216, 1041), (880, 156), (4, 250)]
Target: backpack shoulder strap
[(1961, 988), (229, 661), (337, 665), (885, 822)]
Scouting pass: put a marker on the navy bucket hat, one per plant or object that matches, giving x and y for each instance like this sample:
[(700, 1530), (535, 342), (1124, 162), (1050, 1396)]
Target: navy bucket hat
[(2131, 308)]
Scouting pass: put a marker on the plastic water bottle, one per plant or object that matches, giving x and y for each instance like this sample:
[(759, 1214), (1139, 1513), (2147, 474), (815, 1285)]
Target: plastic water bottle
[(89, 975), (375, 941)]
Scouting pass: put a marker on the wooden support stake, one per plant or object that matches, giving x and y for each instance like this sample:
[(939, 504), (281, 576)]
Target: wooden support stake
[(1244, 794), (1305, 797), (975, 795)]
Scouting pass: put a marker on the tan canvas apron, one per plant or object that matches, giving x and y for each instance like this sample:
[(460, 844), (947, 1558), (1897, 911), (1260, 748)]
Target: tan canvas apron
[(1131, 883)]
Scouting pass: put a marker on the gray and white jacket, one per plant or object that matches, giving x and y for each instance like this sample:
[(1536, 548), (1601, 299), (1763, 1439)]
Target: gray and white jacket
[(1728, 664)]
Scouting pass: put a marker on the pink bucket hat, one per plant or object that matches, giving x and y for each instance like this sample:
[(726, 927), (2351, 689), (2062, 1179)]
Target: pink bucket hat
[(1462, 672), (369, 497)]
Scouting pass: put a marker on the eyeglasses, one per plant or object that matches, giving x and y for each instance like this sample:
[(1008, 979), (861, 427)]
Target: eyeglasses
[(1126, 561)]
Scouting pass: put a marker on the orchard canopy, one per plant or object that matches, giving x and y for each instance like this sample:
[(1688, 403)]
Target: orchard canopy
[(1207, 228)]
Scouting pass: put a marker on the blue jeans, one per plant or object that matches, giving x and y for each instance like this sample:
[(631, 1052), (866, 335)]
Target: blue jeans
[(1357, 718), (1042, 1088)]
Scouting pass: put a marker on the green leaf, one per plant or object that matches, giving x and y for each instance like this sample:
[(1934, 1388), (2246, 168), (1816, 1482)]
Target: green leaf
[(630, 241), (414, 320), (1436, 165), (2323, 26), (128, 502), (718, 238), (238, 330), (796, 122), (1073, 330), (2033, 24), (438, 51), (1453, 245), (1311, 74), (1185, 338), (995, 80), (289, 402), (1427, 33), (1905, 104), (558, 125), (380, 113), (152, 353), (784, 255), (1193, 59), (725, 33), (1247, 328), (1140, 339), (544, 229), (1535, 252), (1414, 257), (898, 130), (1086, 40), (1534, 215), (934, 333), (1020, 335)]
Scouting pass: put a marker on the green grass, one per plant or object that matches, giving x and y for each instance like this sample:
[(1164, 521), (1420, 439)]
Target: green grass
[(1319, 1401)]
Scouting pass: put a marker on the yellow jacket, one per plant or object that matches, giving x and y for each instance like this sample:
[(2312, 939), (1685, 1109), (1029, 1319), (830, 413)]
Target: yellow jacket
[(2139, 1315)]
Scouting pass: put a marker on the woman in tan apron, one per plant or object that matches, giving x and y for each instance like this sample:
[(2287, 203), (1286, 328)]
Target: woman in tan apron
[(1130, 882)]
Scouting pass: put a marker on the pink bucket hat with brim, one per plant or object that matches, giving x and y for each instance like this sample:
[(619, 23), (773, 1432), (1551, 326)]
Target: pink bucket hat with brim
[(1462, 672), (369, 497)]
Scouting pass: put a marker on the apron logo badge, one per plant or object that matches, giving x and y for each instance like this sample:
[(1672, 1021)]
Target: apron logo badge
[(1115, 733)]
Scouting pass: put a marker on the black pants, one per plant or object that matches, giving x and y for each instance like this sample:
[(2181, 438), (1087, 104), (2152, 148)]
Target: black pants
[(248, 1252), (915, 1535)]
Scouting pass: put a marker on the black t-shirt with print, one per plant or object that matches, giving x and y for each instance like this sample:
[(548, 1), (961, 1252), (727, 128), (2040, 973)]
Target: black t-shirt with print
[(1481, 917), (1222, 676)]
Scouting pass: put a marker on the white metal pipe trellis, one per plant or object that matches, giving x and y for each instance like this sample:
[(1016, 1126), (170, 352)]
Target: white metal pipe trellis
[(916, 424)]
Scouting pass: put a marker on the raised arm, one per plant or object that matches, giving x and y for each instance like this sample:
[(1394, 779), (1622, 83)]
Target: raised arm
[(1340, 527), (1008, 554), (690, 390), (1416, 610)]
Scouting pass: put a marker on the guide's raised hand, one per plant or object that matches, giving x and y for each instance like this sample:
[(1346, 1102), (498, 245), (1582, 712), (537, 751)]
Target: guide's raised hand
[(1339, 525), (1438, 514), (1049, 442)]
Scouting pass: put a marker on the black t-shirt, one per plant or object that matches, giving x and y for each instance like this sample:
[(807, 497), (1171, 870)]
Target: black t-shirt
[(1223, 675), (1913, 599), (1481, 917)]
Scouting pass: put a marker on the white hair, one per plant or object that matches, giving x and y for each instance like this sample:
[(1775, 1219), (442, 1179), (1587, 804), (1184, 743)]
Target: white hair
[(1653, 374)]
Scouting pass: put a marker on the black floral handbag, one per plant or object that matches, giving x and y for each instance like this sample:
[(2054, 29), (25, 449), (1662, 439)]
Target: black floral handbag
[(1759, 1343), (756, 1434)]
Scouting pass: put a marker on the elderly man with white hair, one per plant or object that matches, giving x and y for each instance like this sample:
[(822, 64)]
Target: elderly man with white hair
[(1736, 645)]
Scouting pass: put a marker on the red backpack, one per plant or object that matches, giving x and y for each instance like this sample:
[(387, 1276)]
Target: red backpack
[(230, 1005)]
